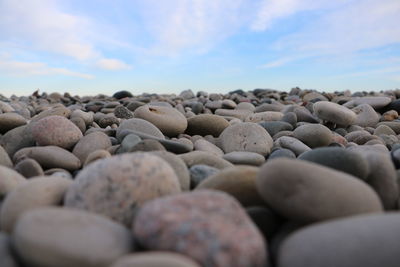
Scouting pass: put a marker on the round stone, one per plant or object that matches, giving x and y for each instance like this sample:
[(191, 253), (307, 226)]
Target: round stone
[(354, 241), (282, 153), (9, 180), (89, 143), (366, 116), (313, 135), (116, 186), (204, 145), (65, 237), (138, 125), (246, 136), (206, 124), (56, 131), (238, 181), (274, 127), (5, 158), (209, 226), (334, 113), (95, 155), (306, 192), (339, 159), (293, 144), (169, 120), (155, 258), (29, 168), (201, 157), (10, 121), (35, 193), (244, 158), (375, 102), (200, 172), (49, 157), (16, 139)]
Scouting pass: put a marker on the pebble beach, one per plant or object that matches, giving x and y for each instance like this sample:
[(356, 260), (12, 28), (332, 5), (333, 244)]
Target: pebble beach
[(260, 178)]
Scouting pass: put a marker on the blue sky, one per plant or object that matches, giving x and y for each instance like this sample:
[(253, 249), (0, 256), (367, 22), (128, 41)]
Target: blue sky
[(166, 46)]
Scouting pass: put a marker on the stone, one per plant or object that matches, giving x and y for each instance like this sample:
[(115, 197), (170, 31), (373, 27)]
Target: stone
[(293, 144), (87, 117), (65, 237), (55, 111), (6, 255), (148, 145), (123, 112), (206, 124), (108, 120), (204, 145), (95, 155), (227, 103), (16, 139), (383, 129), (155, 258), (5, 158), (389, 115), (353, 241), (282, 153), (115, 187), (35, 193), (366, 116), (56, 131), (244, 158), (200, 172), (9, 180), (122, 94), (128, 143), (375, 102), (313, 135), (319, 193), (208, 226), (274, 127), (234, 113), (9, 121), (169, 120), (80, 123), (290, 117), (394, 125), (246, 136), (89, 143), (139, 125), (201, 157), (178, 165), (334, 113), (264, 116), (29, 168), (339, 159), (49, 157), (238, 181)]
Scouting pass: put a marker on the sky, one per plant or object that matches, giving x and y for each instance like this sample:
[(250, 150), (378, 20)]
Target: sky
[(166, 46)]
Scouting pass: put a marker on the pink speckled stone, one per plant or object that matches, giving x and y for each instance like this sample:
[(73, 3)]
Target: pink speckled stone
[(208, 226), (56, 131)]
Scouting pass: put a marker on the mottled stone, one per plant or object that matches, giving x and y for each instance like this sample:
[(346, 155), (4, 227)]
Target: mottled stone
[(306, 192), (208, 226), (353, 241), (38, 192), (116, 186), (206, 124), (123, 113), (56, 131)]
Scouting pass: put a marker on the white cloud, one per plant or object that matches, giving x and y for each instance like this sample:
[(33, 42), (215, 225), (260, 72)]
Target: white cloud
[(19, 68), (42, 25), (112, 64)]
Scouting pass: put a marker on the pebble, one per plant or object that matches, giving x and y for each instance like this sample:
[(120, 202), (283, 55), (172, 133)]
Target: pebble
[(320, 193), (353, 241), (204, 145), (116, 186), (139, 125), (383, 129), (225, 237), (9, 121), (313, 135), (9, 180), (89, 143), (274, 127), (6, 255), (29, 168), (267, 221), (366, 116), (282, 153), (293, 144), (148, 145), (201, 157), (56, 131), (238, 181), (149, 259), (376, 102), (38, 192), (339, 159), (95, 155), (200, 172), (246, 136), (49, 157), (244, 158), (334, 113), (264, 116), (16, 139), (170, 121), (206, 124), (5, 158)]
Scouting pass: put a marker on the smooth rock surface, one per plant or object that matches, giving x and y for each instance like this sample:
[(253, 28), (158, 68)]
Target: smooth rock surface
[(206, 124), (244, 158), (89, 143), (154, 259), (313, 135), (334, 113), (9, 121)]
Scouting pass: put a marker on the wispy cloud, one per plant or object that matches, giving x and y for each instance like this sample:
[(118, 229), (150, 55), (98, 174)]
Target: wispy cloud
[(112, 64), (23, 69)]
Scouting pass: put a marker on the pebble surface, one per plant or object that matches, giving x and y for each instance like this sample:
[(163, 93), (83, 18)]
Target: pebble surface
[(246, 178)]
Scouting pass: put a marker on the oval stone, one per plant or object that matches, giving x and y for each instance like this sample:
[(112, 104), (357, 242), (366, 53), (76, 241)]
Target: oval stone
[(9, 180), (307, 192), (313, 135), (155, 258), (139, 125), (334, 113), (63, 237), (56, 131), (89, 143), (10, 121), (206, 124)]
